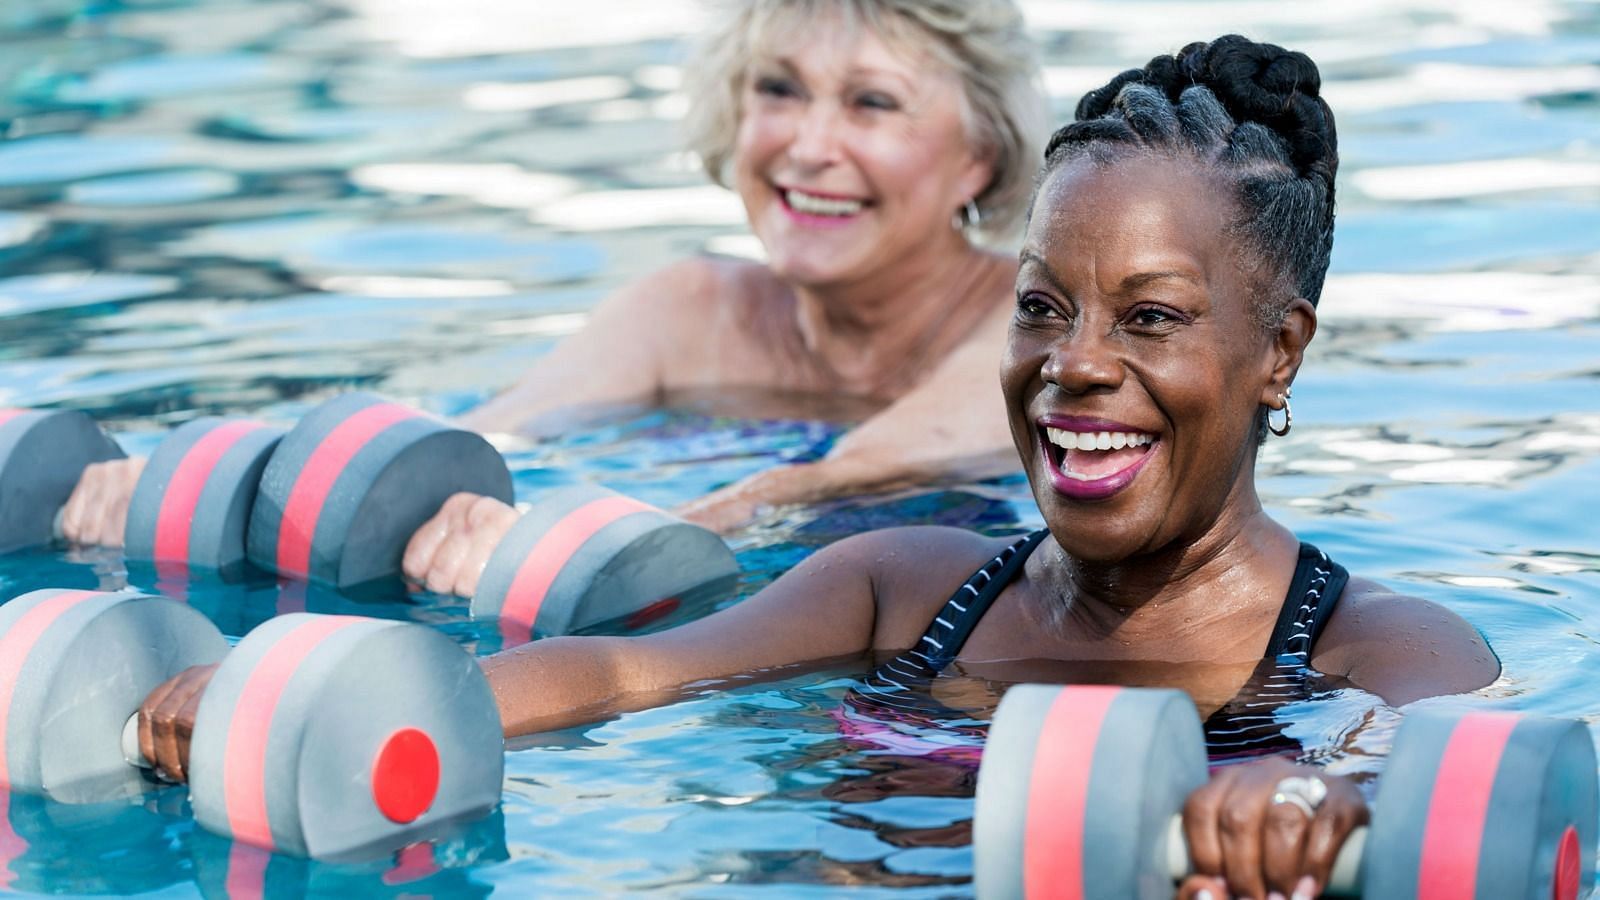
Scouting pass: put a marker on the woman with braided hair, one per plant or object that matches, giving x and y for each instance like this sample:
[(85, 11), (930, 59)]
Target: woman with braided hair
[(1167, 289)]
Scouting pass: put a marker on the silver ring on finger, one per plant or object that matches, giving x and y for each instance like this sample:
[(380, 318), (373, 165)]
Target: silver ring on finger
[(1305, 792)]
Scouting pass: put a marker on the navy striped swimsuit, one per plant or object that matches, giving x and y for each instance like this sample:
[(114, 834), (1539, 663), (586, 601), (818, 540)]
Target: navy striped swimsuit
[(1246, 726)]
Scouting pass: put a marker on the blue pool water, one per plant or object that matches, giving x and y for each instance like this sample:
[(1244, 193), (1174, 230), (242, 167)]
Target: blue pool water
[(214, 206)]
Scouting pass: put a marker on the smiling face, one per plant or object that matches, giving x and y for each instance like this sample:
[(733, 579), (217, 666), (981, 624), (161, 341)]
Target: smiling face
[(851, 155), (1134, 369)]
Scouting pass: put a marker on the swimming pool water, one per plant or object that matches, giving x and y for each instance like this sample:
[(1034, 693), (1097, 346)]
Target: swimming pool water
[(211, 206)]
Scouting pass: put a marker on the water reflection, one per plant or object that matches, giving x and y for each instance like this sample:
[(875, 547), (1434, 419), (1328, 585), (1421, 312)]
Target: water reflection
[(212, 207)]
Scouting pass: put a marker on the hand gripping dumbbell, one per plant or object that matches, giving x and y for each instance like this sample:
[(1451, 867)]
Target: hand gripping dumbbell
[(325, 736), (42, 453), (350, 484), (190, 506), (1081, 788)]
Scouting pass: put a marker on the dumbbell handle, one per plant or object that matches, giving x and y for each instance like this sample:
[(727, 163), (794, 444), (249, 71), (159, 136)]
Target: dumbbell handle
[(131, 751), (130, 744), (1343, 881)]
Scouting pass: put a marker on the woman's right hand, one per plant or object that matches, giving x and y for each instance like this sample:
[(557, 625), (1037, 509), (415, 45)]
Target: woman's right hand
[(1245, 844), (166, 721), (97, 511), (448, 553)]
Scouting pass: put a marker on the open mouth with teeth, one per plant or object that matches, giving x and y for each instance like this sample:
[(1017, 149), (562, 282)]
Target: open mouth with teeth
[(820, 206), (1094, 464)]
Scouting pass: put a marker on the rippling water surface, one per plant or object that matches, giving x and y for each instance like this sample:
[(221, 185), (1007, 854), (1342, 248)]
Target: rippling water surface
[(244, 207)]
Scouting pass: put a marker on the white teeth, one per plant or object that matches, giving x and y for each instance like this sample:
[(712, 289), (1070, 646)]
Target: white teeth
[(821, 206), (1097, 440)]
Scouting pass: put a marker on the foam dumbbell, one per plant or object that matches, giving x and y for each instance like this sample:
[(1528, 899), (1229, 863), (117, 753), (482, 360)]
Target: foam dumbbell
[(42, 455), (585, 555), (353, 480), (73, 666), (1080, 789), (193, 501), (341, 737), (322, 736)]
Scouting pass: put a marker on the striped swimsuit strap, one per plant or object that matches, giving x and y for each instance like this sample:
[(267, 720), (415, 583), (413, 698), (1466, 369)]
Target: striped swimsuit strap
[(1248, 726), (949, 630)]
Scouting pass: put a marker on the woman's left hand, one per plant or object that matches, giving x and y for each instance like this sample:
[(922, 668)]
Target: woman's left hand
[(721, 511), (1243, 844)]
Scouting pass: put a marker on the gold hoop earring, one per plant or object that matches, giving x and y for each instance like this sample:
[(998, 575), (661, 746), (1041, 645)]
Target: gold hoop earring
[(1288, 416)]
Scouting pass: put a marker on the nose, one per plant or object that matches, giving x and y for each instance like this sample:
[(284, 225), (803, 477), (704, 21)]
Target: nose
[(1083, 361), (816, 141)]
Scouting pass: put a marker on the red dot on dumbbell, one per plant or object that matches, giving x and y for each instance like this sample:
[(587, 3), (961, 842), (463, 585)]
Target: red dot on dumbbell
[(405, 776)]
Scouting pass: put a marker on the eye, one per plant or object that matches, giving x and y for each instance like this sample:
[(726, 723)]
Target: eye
[(877, 100), (776, 87), (1033, 306), (1155, 317)]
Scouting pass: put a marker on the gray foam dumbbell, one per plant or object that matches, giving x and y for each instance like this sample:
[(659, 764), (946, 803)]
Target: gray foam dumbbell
[(74, 665), (42, 455), (1080, 790), (585, 555), (326, 736), (193, 500), (351, 482), (341, 737)]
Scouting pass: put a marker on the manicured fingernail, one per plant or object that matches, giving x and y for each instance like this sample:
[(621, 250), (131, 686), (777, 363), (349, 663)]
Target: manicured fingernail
[(1305, 888), (1204, 894), (1275, 896)]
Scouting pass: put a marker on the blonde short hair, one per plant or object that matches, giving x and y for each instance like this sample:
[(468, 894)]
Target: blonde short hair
[(981, 41)]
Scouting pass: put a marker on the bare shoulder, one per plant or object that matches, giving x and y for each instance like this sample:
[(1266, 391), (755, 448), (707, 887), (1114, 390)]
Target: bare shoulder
[(689, 285), (915, 570), (1403, 648)]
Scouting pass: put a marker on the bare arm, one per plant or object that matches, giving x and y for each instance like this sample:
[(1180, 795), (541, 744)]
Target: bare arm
[(1403, 648), (824, 607), (951, 424)]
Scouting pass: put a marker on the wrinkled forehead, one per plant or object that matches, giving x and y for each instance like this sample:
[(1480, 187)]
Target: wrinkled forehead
[(1132, 209)]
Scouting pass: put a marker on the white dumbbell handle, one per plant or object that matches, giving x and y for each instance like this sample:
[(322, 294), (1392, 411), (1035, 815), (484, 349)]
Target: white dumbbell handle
[(1344, 880), (130, 744)]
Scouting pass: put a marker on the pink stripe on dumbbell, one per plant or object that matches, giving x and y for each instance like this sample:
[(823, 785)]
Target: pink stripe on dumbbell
[(1458, 810), (545, 561), (12, 845), (15, 645), (247, 872), (1058, 792), (322, 468), (244, 761), (188, 481), (7, 415)]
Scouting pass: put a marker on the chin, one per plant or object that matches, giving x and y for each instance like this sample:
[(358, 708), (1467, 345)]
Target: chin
[(805, 270)]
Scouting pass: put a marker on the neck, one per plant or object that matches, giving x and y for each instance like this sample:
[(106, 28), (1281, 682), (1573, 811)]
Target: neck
[(1202, 596), (870, 335)]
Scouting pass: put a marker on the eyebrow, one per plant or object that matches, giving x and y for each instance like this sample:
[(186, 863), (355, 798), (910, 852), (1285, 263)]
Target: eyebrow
[(1028, 256), (854, 73), (1140, 279)]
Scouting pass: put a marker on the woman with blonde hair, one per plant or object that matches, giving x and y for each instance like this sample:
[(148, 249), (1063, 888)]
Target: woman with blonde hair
[(873, 143)]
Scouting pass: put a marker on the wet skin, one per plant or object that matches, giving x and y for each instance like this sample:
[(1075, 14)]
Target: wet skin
[(1132, 307)]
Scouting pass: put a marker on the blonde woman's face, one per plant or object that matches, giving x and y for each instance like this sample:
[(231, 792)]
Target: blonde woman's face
[(851, 157)]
